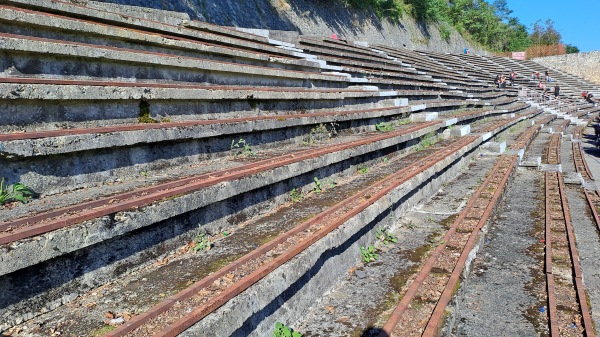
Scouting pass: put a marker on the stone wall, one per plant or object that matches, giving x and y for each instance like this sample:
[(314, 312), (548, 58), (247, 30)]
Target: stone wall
[(586, 65), (311, 17)]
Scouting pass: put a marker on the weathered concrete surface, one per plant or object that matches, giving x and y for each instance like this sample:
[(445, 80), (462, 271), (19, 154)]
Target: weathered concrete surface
[(18, 22), (59, 58), (495, 293), (506, 283), (285, 294), (31, 292), (95, 141), (19, 255), (355, 306)]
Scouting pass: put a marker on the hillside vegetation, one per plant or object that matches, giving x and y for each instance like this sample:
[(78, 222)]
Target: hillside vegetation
[(489, 24)]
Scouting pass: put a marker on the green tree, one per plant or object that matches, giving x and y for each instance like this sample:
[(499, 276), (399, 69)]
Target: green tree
[(517, 36), (429, 10), (571, 49), (545, 34)]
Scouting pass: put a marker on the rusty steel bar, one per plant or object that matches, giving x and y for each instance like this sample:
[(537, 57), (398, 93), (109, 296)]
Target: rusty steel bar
[(583, 306), (438, 313), (137, 127), (581, 164), (593, 207), (410, 293), (552, 314), (389, 184), (144, 196), (99, 83)]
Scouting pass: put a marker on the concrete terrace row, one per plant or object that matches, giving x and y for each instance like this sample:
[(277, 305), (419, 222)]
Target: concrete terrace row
[(106, 103)]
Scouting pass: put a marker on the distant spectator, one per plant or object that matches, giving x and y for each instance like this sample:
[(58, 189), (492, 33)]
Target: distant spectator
[(596, 127), (556, 90), (590, 98), (542, 86), (497, 80), (334, 36), (466, 50), (513, 76), (548, 77), (584, 94), (502, 82)]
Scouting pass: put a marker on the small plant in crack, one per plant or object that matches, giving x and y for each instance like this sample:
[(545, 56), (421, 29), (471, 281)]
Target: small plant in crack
[(15, 192), (369, 254), (385, 236), (296, 195), (384, 127), (202, 242), (319, 188), (363, 170), (282, 330), (241, 148)]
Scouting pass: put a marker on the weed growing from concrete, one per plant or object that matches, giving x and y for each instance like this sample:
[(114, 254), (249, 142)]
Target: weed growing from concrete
[(362, 170), (202, 242), (144, 114), (427, 141), (384, 127), (320, 133), (404, 121), (385, 236), (296, 195), (15, 192), (369, 254), (282, 330), (241, 148), (330, 183), (319, 188)]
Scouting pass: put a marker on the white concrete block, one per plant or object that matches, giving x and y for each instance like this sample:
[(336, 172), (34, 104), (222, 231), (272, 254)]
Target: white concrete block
[(388, 93), (281, 43), (486, 136), (534, 161), (424, 116), (401, 102), (329, 66), (451, 121), (418, 107), (461, 130), (551, 168), (358, 80), (494, 148), (573, 178)]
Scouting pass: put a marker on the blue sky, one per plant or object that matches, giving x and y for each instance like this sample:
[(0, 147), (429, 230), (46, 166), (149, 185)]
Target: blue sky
[(576, 20)]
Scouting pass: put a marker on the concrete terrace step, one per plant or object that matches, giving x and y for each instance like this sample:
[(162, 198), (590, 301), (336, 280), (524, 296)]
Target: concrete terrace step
[(51, 142), (170, 17), (435, 69), (131, 220), (29, 55), (76, 11), (342, 49), (110, 101), (19, 21)]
